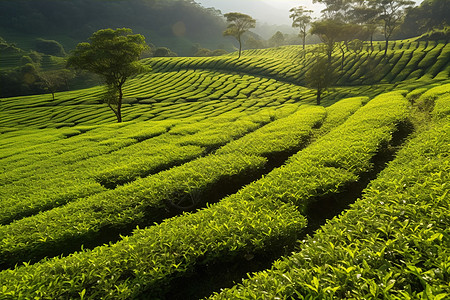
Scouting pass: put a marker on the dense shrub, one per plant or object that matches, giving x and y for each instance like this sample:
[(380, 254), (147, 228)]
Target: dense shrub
[(163, 52), (49, 47)]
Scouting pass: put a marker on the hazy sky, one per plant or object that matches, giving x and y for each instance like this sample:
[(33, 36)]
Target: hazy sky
[(270, 11)]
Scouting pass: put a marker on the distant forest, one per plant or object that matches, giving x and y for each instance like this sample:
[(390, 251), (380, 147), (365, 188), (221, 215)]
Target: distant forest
[(161, 21)]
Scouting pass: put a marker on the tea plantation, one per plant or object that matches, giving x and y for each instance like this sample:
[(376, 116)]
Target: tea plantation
[(225, 169)]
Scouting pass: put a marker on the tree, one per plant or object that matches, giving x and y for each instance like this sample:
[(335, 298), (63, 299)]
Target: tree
[(336, 9), (50, 47), (320, 76), (329, 32), (431, 14), (277, 39), (364, 14), (53, 81), (238, 24), (346, 34), (114, 55), (391, 13), (301, 18)]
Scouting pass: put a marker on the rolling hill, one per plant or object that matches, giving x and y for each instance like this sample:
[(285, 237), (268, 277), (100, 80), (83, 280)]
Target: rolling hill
[(224, 167)]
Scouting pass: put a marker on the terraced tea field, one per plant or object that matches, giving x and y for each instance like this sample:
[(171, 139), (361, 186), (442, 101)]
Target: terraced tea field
[(223, 167)]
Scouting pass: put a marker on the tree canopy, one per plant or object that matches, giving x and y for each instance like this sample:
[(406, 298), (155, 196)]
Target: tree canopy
[(239, 23), (391, 13), (301, 18), (320, 76), (114, 55)]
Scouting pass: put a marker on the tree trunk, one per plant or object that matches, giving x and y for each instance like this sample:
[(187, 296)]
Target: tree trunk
[(240, 46), (371, 42), (304, 40), (386, 49), (319, 93), (342, 56), (119, 105)]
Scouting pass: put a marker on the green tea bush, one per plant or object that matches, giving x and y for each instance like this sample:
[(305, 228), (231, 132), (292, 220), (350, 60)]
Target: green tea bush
[(340, 111), (286, 135), (391, 244), (338, 159), (427, 100), (146, 261), (63, 170), (260, 216), (145, 201)]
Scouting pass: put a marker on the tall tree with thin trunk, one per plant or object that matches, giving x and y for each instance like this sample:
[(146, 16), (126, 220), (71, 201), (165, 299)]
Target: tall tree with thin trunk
[(391, 14), (364, 14), (54, 80), (301, 18), (114, 55), (238, 25)]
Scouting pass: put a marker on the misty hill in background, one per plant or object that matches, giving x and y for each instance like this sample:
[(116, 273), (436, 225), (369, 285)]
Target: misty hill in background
[(177, 24)]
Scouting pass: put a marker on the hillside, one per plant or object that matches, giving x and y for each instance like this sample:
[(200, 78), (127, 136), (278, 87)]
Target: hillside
[(178, 86), (22, 22), (224, 167)]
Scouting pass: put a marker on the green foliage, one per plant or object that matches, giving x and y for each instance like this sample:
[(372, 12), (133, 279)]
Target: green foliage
[(426, 17), (238, 25), (436, 35), (180, 86), (284, 136), (320, 76), (49, 47), (163, 52), (196, 124), (103, 58), (142, 203), (301, 18), (260, 216), (391, 244), (26, 21)]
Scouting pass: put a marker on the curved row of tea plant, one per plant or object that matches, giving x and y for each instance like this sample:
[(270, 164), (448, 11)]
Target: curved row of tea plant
[(97, 218), (261, 217), (391, 244), (68, 173), (405, 60), (206, 87), (146, 200), (154, 96)]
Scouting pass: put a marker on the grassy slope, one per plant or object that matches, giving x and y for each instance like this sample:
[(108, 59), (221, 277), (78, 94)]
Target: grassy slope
[(188, 108), (270, 77)]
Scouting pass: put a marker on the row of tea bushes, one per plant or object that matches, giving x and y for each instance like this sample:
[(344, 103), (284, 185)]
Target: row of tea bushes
[(196, 84), (406, 59), (337, 160), (153, 96), (146, 200), (391, 244), (341, 111), (146, 261), (172, 149), (286, 135), (260, 217), (427, 100), (70, 146), (66, 177), (67, 173)]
